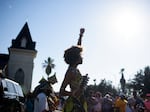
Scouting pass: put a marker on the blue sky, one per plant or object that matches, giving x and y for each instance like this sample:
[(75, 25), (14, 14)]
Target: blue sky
[(116, 34)]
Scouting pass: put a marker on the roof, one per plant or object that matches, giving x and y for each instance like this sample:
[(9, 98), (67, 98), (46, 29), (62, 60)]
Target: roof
[(24, 33)]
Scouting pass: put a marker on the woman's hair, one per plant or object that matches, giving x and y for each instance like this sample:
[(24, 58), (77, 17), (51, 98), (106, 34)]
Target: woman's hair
[(72, 54)]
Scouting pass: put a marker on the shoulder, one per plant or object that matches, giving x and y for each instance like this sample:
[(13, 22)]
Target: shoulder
[(41, 95), (71, 72)]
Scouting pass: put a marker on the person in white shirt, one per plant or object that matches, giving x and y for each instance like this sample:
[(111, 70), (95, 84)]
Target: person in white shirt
[(41, 102)]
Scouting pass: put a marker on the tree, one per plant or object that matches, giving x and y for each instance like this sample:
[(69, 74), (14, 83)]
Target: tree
[(137, 83), (122, 81), (146, 80), (48, 65), (103, 87)]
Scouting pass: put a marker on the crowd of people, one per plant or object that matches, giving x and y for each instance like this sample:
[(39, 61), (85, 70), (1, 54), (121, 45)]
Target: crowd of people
[(46, 101), (118, 103)]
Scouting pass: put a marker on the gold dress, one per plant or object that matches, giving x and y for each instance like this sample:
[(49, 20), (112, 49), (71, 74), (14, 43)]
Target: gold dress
[(75, 104)]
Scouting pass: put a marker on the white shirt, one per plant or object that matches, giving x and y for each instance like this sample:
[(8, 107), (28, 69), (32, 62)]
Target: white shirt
[(40, 103)]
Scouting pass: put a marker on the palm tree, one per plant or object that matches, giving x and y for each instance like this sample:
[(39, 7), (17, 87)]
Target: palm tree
[(48, 65)]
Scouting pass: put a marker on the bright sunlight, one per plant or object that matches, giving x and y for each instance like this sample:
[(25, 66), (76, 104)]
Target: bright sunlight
[(127, 24)]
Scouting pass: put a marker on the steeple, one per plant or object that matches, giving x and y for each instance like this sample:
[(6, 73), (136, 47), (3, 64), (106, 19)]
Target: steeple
[(21, 59), (24, 39)]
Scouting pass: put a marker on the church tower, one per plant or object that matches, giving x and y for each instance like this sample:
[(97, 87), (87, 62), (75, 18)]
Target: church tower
[(21, 59)]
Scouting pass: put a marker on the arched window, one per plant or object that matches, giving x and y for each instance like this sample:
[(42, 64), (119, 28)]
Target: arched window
[(19, 76), (23, 42)]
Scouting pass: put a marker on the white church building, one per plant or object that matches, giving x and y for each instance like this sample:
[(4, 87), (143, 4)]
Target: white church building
[(19, 63)]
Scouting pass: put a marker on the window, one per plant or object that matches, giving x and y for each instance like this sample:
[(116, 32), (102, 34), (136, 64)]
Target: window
[(23, 42), (19, 76)]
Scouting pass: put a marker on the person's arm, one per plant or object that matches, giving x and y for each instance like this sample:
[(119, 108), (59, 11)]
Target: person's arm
[(80, 36), (65, 82)]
